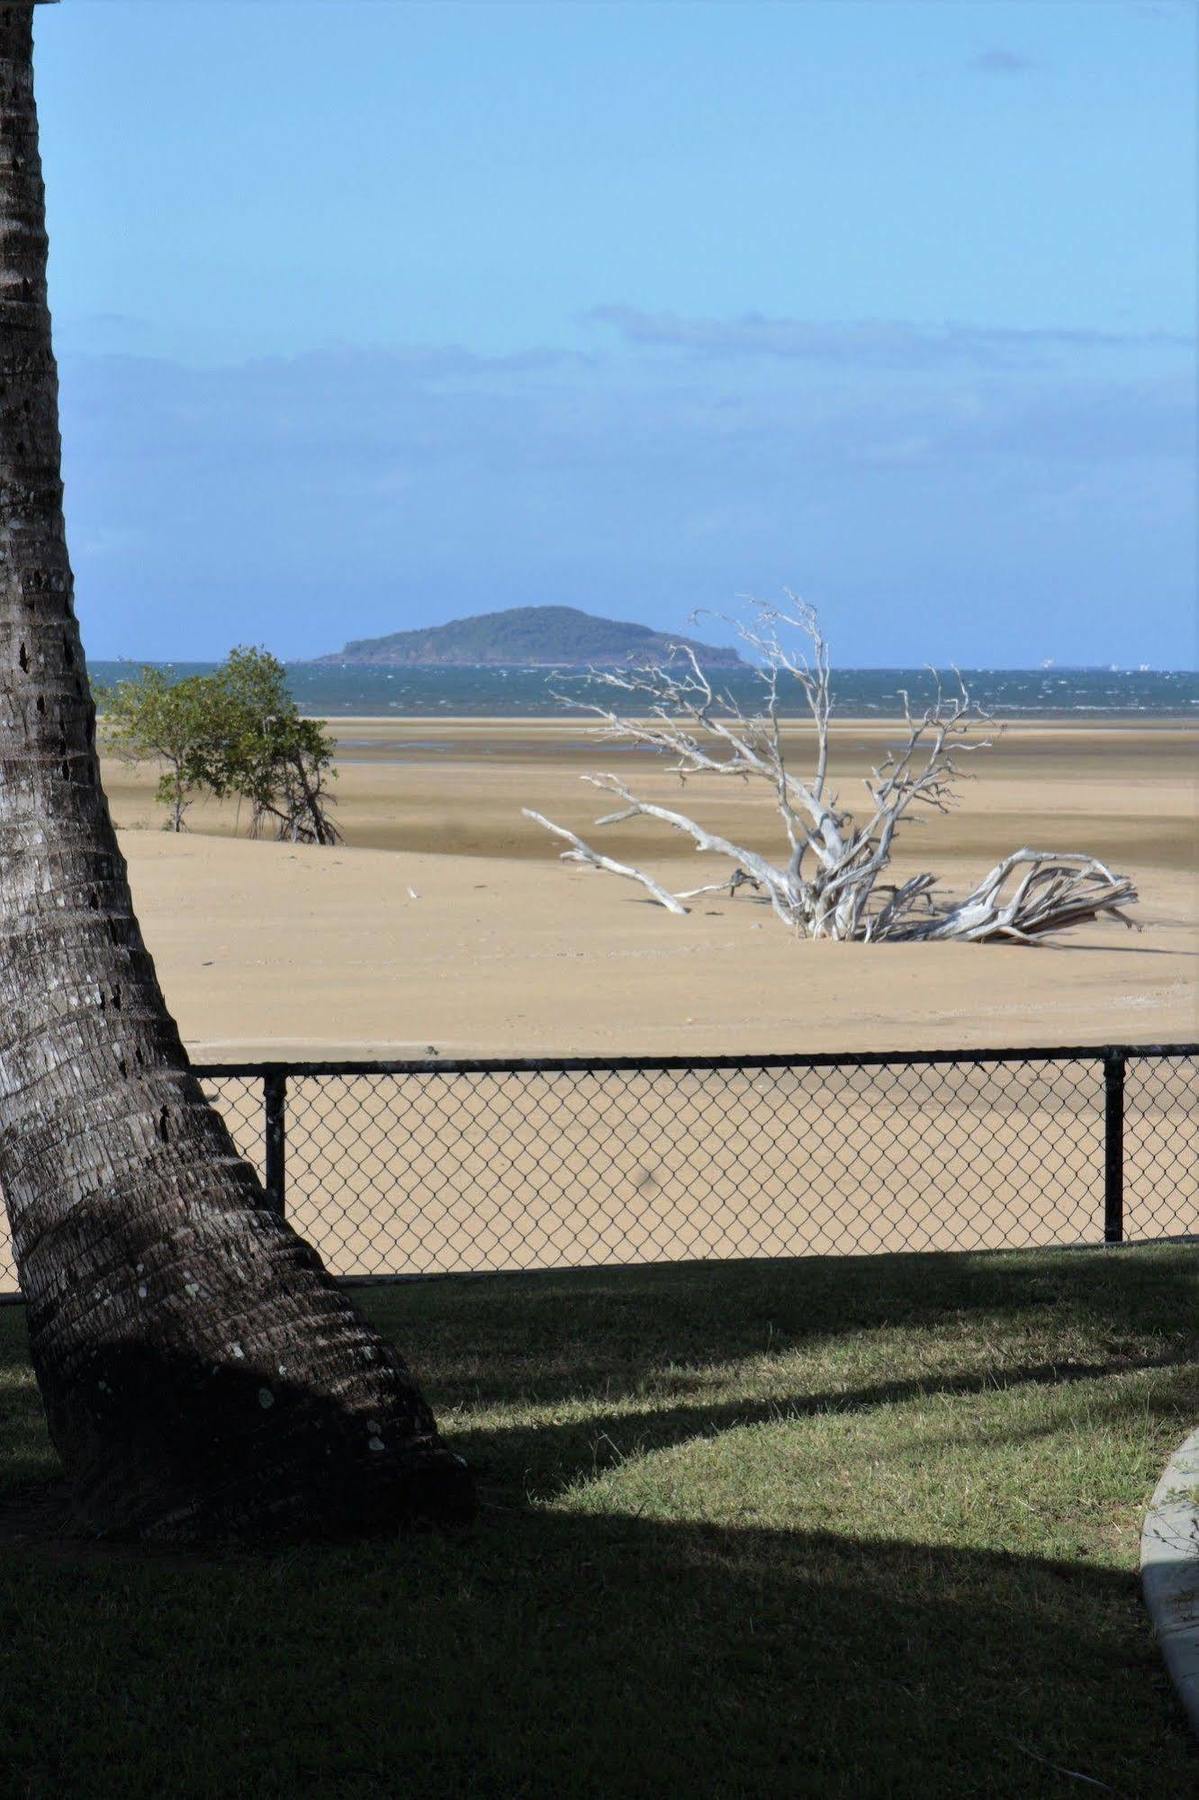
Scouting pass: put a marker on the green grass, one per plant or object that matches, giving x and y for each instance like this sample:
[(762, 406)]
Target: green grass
[(848, 1528)]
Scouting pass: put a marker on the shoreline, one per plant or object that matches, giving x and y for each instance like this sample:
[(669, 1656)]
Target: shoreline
[(1125, 719), (1072, 721)]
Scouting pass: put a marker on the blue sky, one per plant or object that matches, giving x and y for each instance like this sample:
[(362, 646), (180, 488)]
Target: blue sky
[(373, 314)]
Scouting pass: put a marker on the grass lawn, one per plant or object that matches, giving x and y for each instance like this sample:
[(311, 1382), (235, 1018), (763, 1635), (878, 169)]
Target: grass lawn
[(851, 1528)]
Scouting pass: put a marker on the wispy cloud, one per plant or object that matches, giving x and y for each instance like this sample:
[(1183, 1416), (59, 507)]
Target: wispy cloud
[(998, 61), (877, 343), (298, 499)]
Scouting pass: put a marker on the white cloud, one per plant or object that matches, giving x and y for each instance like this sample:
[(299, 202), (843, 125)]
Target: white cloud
[(874, 343)]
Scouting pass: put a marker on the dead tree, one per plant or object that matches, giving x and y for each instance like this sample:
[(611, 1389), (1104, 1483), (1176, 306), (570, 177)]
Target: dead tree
[(829, 879)]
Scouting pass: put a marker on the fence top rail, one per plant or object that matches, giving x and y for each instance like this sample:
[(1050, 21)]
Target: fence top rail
[(580, 1065)]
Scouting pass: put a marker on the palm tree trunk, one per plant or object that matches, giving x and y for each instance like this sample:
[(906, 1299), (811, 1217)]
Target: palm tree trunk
[(202, 1375)]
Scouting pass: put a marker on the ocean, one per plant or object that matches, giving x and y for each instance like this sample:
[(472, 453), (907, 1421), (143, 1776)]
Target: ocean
[(341, 691)]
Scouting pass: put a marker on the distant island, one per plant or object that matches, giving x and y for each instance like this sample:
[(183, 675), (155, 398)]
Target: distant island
[(526, 637)]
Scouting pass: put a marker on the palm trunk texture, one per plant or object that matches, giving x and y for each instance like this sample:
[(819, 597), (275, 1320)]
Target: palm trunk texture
[(202, 1375)]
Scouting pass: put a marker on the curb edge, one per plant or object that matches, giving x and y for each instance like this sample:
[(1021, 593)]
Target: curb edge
[(1170, 1571)]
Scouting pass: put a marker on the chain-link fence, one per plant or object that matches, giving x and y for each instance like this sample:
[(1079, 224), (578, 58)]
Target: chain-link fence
[(424, 1168), (435, 1167)]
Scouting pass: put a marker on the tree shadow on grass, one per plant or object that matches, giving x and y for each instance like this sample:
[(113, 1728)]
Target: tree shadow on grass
[(551, 1457), (553, 1655), (631, 1351), (549, 1337)]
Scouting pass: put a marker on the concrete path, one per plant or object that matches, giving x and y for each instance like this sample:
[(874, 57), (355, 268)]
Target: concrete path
[(1170, 1570)]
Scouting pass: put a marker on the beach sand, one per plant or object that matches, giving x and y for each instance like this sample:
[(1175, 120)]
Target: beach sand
[(446, 926), (276, 950)]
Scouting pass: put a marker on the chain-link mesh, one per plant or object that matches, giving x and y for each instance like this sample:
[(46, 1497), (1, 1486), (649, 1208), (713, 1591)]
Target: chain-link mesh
[(437, 1172), (422, 1170), (1161, 1146), (239, 1099)]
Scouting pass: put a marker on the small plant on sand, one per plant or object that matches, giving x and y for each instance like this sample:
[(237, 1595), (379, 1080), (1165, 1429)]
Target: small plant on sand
[(828, 879)]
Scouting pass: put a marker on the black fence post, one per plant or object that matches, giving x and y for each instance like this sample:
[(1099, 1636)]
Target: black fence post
[(274, 1100), (1113, 1146)]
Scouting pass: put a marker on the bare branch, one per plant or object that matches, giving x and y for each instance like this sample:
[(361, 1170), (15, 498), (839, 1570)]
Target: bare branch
[(584, 853), (1059, 888), (703, 733)]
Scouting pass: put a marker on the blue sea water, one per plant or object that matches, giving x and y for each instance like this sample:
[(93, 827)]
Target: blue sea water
[(339, 691)]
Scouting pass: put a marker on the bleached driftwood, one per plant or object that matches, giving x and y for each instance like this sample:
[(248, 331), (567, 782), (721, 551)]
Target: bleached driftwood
[(583, 853), (828, 884)]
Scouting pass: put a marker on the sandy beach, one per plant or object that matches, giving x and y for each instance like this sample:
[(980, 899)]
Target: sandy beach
[(447, 921)]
